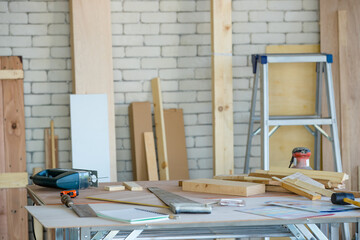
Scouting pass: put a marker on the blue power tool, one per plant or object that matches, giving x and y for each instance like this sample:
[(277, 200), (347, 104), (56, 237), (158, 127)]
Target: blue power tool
[(66, 178)]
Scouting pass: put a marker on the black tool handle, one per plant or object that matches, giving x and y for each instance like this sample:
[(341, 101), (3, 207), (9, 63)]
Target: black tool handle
[(66, 200)]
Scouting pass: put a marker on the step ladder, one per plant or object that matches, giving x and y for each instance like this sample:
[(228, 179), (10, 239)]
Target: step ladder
[(323, 68)]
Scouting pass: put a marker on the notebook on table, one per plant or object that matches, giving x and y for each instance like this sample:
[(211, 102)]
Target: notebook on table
[(133, 215)]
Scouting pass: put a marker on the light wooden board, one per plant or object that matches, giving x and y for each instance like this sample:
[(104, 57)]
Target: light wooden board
[(140, 121), (89, 134), (292, 91), (176, 144), (13, 159), (223, 187), (298, 190), (114, 188), (91, 45), (132, 186), (309, 187), (222, 88), (11, 74), (151, 164), (160, 130), (13, 180), (48, 154)]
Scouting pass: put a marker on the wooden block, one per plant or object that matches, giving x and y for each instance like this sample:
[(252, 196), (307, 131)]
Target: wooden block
[(246, 178), (92, 66), (13, 180), (222, 89), (309, 187), (160, 130), (11, 74), (115, 188), (269, 188), (223, 187), (298, 190), (151, 164), (132, 186), (48, 152), (176, 144), (140, 121)]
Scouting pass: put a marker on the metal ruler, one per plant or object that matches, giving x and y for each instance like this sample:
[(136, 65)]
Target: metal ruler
[(179, 204)]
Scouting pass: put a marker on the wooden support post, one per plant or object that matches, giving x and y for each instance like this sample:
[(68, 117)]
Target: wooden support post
[(49, 162), (13, 180), (222, 90), (150, 153), (160, 130)]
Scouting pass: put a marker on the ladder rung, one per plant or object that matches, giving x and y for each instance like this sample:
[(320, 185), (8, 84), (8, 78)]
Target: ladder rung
[(282, 122), (289, 58)]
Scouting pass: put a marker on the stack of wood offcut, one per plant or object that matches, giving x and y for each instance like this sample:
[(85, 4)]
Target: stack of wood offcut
[(308, 183)]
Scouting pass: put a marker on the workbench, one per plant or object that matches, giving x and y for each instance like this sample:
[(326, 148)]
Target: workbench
[(223, 222)]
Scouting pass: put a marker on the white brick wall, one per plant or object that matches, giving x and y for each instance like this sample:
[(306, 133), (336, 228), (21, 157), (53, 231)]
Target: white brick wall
[(165, 38)]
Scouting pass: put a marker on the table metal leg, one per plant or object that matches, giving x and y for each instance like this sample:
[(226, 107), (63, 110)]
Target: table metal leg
[(59, 233), (334, 231), (308, 235), (317, 232), (345, 231), (134, 234), (294, 230), (85, 233), (111, 235)]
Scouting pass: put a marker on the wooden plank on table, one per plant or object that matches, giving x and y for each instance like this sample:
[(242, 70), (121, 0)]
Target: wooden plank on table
[(298, 190), (132, 186), (309, 187), (150, 153), (13, 180), (246, 178), (176, 144), (48, 152), (292, 91), (13, 158), (114, 188), (140, 121), (11, 74), (160, 130), (222, 88), (92, 66), (223, 187)]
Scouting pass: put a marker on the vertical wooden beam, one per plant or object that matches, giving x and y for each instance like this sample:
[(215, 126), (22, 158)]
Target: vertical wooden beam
[(92, 68), (160, 130), (150, 153), (48, 150), (222, 90), (3, 204)]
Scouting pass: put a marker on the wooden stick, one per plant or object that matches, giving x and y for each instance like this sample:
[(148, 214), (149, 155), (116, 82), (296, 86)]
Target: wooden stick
[(150, 154), (53, 158), (298, 190), (310, 187), (132, 186)]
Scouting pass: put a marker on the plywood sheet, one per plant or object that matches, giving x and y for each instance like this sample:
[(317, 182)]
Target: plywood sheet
[(89, 133), (292, 91), (91, 45), (176, 144), (140, 121)]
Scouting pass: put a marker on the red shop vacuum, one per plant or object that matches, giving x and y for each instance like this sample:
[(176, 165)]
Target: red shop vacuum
[(300, 158)]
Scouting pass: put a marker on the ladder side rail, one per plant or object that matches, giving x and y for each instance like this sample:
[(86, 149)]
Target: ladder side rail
[(264, 117)]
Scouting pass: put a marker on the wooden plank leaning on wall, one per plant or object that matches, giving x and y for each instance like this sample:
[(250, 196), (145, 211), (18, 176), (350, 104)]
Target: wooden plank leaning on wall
[(222, 88), (13, 216), (91, 45)]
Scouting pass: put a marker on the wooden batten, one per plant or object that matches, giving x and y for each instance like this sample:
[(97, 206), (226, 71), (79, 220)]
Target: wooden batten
[(49, 162), (132, 186), (11, 74), (150, 153), (13, 180)]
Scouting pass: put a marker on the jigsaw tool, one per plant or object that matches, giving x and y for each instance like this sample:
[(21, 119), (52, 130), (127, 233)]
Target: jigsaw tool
[(66, 178)]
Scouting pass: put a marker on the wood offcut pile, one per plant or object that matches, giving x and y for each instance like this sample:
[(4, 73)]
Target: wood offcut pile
[(308, 183)]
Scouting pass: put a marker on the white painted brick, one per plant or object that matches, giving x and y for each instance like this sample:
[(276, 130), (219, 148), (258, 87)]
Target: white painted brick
[(46, 18), (239, 61), (32, 146), (249, 27), (127, 40), (126, 63), (200, 173), (311, 27), (62, 122), (180, 51), (36, 99), (138, 97), (284, 5), (27, 111), (248, 49), (141, 6), (15, 41), (241, 117), (46, 64), (139, 74), (118, 52), (5, 51), (178, 97), (194, 62), (205, 141), (59, 6), (203, 39), (165, 86), (117, 29), (203, 73), (141, 29), (32, 52), (176, 73), (158, 17), (59, 29), (241, 38), (204, 51), (205, 118), (142, 51), (190, 143), (250, 5), (243, 95), (204, 96), (60, 99), (242, 83), (177, 6), (60, 52), (203, 6), (4, 7), (50, 41), (35, 76), (120, 121), (266, 38), (53, 111), (162, 40), (28, 29), (198, 130), (27, 7), (311, 38), (190, 119), (203, 28), (124, 17), (285, 27), (195, 108), (195, 85), (243, 72), (119, 98), (116, 6), (303, 16), (4, 29), (158, 63), (266, 16), (194, 17), (37, 122), (239, 16), (49, 88), (68, 64), (117, 75), (64, 145), (27, 87), (13, 18), (311, 5), (127, 86), (199, 153), (59, 75), (177, 28)]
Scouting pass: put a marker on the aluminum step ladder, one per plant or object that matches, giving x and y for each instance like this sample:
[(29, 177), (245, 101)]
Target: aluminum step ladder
[(323, 68)]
